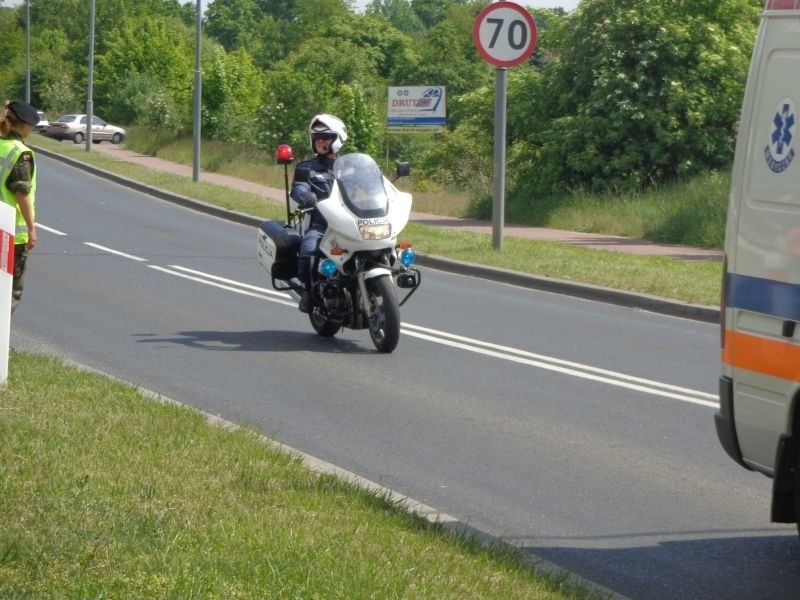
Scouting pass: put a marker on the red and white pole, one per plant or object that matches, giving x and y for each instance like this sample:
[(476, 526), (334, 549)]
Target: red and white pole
[(7, 220)]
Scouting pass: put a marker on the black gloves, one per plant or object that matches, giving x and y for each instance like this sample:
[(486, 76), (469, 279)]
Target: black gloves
[(307, 200)]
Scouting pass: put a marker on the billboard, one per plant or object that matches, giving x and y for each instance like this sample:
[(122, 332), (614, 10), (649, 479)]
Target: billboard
[(417, 108)]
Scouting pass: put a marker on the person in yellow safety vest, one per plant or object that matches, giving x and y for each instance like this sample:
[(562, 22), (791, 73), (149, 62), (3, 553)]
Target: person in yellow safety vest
[(18, 184)]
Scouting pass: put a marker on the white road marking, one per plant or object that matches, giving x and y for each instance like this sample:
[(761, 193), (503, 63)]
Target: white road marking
[(116, 252), (557, 365), (444, 338), (232, 282), (263, 295), (50, 229), (561, 363), (622, 380)]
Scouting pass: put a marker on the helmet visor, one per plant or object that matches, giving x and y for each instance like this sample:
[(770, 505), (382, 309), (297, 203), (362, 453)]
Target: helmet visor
[(325, 135)]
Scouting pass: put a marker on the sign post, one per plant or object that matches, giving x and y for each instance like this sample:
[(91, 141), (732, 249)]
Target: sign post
[(7, 220), (505, 35)]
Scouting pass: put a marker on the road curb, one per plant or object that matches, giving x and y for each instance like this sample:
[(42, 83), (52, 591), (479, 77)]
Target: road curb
[(587, 291), (697, 312)]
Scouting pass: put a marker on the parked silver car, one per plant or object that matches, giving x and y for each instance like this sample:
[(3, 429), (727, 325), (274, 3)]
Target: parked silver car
[(43, 123), (73, 127)]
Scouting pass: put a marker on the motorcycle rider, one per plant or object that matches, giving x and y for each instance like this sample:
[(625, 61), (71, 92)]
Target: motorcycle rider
[(327, 134)]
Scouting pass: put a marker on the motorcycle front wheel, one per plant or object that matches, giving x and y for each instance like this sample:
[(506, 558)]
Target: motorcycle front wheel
[(322, 325), (384, 320)]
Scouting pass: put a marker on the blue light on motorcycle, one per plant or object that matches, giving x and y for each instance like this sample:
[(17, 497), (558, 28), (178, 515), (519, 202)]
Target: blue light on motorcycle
[(408, 256), (327, 267)]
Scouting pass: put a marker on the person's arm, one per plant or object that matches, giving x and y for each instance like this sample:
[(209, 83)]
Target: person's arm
[(26, 208), (20, 183)]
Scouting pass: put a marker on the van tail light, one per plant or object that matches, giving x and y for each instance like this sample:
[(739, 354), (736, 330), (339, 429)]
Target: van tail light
[(723, 301)]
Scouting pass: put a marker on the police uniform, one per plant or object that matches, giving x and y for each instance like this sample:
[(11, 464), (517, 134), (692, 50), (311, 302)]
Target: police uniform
[(18, 175), (320, 184)]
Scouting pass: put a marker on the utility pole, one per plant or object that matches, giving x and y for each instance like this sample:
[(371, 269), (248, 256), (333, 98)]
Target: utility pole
[(90, 78), (28, 51), (198, 83)]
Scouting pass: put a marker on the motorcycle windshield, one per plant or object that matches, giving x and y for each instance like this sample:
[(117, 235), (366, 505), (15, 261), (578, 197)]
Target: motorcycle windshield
[(361, 185)]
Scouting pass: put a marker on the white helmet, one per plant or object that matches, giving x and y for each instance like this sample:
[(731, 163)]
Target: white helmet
[(327, 126)]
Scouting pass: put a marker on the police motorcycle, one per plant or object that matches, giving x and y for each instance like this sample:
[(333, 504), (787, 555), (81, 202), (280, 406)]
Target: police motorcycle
[(361, 259)]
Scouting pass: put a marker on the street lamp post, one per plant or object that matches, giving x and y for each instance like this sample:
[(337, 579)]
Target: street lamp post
[(198, 82), (90, 79), (28, 51)]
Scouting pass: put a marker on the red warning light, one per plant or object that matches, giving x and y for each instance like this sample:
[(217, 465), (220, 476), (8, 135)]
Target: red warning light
[(284, 154)]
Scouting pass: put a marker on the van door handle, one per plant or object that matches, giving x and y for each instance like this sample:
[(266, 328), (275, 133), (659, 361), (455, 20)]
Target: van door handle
[(788, 329)]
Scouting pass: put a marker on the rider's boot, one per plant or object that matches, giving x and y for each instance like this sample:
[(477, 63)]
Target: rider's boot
[(304, 267)]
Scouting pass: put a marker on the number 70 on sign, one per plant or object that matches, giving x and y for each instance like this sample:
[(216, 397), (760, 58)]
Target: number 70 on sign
[(504, 34)]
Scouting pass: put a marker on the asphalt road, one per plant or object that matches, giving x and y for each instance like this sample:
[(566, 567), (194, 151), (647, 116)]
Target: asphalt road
[(580, 430)]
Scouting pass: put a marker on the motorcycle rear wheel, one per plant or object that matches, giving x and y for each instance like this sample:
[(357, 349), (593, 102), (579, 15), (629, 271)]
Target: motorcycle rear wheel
[(384, 323)]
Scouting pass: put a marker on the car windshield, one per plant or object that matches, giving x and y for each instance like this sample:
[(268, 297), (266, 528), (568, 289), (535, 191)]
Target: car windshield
[(66, 119), (362, 185)]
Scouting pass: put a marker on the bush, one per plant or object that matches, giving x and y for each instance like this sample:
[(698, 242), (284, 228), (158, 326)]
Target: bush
[(643, 92)]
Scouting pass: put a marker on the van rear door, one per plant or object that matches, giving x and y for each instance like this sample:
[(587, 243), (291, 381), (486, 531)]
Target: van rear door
[(761, 351)]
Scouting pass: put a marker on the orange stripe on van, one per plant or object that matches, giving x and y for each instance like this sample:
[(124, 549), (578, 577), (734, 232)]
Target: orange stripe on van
[(770, 357)]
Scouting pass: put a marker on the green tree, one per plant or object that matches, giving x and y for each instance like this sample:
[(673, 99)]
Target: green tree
[(447, 57), (291, 101), (148, 47), (382, 47), (433, 12), (12, 75), (643, 91), (230, 22), (233, 90), (351, 105), (463, 159), (399, 13)]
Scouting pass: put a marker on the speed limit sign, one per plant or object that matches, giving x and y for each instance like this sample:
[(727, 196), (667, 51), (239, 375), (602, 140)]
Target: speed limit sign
[(504, 34)]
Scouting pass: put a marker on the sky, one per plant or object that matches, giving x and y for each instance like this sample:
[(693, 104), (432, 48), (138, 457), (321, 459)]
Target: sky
[(567, 5)]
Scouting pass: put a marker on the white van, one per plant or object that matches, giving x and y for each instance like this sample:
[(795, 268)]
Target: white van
[(758, 422)]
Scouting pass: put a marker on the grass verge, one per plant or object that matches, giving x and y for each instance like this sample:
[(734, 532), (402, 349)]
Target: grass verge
[(688, 281), (107, 494)]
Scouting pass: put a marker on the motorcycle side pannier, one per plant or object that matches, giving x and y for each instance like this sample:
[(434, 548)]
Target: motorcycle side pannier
[(278, 245)]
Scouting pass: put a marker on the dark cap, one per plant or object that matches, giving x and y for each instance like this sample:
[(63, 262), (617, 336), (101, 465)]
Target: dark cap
[(24, 112)]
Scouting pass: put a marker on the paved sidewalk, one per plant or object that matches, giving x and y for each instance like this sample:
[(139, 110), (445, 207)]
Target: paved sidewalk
[(587, 240)]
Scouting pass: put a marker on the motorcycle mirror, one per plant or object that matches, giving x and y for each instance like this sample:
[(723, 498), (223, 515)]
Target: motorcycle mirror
[(284, 154), (403, 170)]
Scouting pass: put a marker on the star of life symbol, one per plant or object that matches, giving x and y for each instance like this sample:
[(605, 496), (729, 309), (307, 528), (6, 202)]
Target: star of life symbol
[(779, 153)]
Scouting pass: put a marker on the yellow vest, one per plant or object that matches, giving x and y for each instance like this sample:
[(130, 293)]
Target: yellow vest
[(10, 151)]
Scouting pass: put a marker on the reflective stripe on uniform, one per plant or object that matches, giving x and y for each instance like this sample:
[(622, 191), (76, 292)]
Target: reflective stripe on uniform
[(7, 162)]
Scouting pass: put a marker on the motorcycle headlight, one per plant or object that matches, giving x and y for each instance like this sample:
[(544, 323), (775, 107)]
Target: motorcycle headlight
[(327, 267), (375, 232)]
